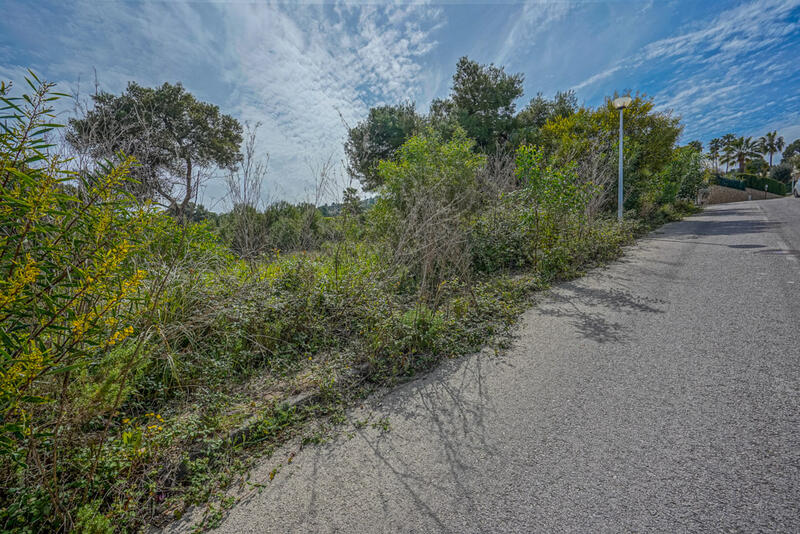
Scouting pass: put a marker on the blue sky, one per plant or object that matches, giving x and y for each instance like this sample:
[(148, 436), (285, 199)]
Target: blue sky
[(304, 68)]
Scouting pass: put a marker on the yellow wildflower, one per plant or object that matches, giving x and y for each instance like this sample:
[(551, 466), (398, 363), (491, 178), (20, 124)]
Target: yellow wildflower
[(22, 277), (120, 335)]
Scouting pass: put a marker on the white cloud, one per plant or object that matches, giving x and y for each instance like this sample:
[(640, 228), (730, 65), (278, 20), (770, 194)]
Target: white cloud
[(596, 78), (293, 67), (717, 66), (301, 73), (534, 19)]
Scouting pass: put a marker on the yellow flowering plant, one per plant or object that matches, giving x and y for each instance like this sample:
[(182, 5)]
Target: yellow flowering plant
[(71, 294)]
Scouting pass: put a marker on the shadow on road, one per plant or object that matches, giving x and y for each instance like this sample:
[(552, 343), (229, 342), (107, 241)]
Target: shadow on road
[(586, 309), (452, 404), (780, 252), (727, 211), (693, 242), (701, 227)]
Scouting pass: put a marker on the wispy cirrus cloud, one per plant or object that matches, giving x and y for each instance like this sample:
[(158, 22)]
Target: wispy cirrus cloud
[(304, 74), (596, 78), (534, 19), (720, 73), (301, 67)]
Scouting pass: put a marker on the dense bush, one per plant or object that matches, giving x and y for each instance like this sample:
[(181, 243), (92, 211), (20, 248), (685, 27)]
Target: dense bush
[(682, 176), (757, 182), (74, 314), (280, 226), (538, 219), (727, 182), (650, 138), (427, 197), (781, 173), (94, 285)]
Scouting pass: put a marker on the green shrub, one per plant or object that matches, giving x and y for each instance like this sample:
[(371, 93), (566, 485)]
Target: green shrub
[(781, 173), (500, 239), (89, 520), (74, 311), (756, 182), (428, 194), (728, 182), (682, 176)]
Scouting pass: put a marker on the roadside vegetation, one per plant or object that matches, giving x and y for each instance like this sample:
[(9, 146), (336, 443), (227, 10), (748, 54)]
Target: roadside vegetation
[(151, 349), (748, 162)]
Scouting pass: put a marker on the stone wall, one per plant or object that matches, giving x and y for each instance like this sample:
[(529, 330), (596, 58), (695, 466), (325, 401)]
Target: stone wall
[(722, 195)]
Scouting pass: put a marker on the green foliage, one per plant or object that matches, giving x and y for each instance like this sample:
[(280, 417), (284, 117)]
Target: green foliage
[(649, 140), (548, 187), (537, 224), (740, 150), (84, 300), (771, 144), (791, 150), (696, 145), (408, 341), (756, 165), (89, 520), (377, 138), (539, 111), (757, 182), (72, 307), (429, 164), (482, 101), (715, 147), (781, 173), (169, 132), (281, 226), (728, 182), (428, 193), (682, 176)]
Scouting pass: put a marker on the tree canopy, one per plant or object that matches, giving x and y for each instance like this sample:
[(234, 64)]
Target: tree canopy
[(791, 149), (377, 138), (172, 135), (482, 100), (650, 137)]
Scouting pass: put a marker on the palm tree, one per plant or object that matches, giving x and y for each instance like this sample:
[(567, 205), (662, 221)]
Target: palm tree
[(714, 148), (727, 139), (771, 144), (741, 150)]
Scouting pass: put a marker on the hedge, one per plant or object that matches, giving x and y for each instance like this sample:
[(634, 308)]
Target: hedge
[(757, 182), (728, 182)]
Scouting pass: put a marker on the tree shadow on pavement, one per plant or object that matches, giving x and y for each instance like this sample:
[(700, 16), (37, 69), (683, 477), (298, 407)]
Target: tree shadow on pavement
[(722, 228), (452, 404), (587, 309), (780, 252)]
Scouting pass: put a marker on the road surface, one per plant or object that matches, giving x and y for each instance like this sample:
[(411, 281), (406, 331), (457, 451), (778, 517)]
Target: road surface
[(661, 393)]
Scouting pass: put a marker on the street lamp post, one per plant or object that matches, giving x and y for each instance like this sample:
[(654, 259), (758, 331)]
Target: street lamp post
[(620, 103)]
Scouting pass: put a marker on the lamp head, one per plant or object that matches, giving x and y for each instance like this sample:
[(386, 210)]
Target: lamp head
[(622, 102)]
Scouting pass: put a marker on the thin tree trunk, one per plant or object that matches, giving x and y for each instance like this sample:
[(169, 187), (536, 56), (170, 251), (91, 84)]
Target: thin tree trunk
[(188, 195)]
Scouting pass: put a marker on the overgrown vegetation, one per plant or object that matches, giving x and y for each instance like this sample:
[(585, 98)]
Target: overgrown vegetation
[(148, 351)]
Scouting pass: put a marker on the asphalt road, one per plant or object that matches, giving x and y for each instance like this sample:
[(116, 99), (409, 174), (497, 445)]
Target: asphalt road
[(660, 393)]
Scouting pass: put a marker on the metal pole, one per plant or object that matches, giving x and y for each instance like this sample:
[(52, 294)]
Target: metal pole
[(619, 186)]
